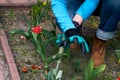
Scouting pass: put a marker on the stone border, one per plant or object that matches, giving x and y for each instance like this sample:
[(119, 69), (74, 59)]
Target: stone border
[(16, 8), (9, 57), (17, 2)]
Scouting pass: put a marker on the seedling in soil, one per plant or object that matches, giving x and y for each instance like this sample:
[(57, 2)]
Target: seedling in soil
[(91, 73), (117, 53)]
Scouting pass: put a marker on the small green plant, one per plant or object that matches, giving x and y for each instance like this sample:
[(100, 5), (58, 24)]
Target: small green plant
[(11, 14), (56, 74), (117, 53), (91, 73), (77, 65)]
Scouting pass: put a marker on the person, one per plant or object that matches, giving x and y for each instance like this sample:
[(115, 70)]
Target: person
[(71, 14)]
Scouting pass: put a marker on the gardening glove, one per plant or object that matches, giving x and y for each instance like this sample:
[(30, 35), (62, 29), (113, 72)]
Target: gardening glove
[(72, 36), (61, 38)]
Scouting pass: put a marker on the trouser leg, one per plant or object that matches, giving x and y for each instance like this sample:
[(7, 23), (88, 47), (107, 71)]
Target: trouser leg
[(109, 18)]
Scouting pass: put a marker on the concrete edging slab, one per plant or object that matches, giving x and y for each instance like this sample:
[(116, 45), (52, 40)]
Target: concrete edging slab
[(17, 2)]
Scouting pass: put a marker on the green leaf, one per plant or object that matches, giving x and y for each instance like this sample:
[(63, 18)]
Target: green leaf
[(34, 36), (39, 46), (50, 75), (52, 40), (97, 70), (57, 67), (89, 69), (28, 34), (38, 20), (14, 31), (52, 22), (26, 20), (59, 75), (41, 50), (77, 66), (117, 53), (21, 32), (47, 34), (55, 57)]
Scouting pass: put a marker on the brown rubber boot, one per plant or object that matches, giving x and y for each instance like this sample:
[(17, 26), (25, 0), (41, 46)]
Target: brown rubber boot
[(98, 52)]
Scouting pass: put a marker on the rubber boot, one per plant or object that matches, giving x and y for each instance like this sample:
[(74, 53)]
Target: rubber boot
[(98, 52)]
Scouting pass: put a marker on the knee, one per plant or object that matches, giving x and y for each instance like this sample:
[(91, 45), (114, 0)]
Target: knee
[(114, 5)]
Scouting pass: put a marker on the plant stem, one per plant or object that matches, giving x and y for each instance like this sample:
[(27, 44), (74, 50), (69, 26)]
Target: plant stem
[(61, 50)]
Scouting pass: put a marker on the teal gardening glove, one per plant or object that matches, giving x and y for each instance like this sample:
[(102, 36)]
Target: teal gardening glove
[(72, 36)]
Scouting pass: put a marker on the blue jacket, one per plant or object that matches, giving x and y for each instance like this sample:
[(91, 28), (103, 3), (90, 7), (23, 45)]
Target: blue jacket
[(62, 16)]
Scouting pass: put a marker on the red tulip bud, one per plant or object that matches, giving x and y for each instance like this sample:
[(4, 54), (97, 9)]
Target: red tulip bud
[(37, 29)]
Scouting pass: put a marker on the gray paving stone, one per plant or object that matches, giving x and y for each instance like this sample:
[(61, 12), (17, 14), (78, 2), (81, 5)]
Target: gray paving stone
[(16, 2)]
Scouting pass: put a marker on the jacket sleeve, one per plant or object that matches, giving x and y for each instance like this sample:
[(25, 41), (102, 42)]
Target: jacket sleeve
[(87, 8), (59, 8)]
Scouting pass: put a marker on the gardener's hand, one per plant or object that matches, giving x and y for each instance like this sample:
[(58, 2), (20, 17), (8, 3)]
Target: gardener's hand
[(73, 36)]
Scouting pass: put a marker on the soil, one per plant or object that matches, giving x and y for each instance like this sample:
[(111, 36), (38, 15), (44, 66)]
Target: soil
[(25, 54)]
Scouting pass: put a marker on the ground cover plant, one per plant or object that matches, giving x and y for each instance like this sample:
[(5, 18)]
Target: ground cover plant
[(34, 49)]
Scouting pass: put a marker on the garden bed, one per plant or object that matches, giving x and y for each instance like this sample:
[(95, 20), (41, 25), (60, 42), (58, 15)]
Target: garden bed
[(26, 56)]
